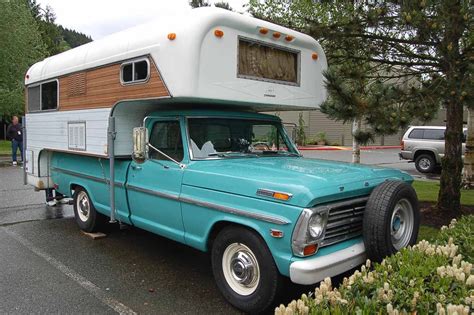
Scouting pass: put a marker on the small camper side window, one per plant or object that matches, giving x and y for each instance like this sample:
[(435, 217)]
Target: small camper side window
[(43, 96), (135, 71)]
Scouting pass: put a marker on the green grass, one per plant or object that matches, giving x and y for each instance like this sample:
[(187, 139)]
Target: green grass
[(427, 233), (5, 147), (428, 191)]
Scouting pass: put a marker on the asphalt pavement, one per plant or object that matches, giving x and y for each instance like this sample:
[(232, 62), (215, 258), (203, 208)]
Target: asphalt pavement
[(48, 266)]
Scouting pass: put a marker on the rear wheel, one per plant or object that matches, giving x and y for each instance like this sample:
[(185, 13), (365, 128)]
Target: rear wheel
[(391, 219), (244, 270), (88, 219), (425, 163)]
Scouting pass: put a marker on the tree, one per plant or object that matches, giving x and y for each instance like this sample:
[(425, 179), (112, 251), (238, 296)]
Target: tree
[(223, 5), (74, 38), (300, 133), (430, 40), (21, 46), (198, 3)]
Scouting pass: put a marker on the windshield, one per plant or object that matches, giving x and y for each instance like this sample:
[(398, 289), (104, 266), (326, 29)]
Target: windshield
[(222, 137)]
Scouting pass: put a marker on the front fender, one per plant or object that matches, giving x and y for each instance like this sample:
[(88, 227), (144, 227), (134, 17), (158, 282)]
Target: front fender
[(202, 209)]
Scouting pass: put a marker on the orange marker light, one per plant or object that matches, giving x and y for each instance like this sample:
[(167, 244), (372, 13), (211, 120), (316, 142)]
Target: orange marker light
[(263, 30), (172, 36), (276, 233), (310, 249), (276, 35), (314, 56), (281, 196), (218, 33), (289, 38), (27, 76)]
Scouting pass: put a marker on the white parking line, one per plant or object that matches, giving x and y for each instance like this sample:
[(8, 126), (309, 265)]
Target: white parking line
[(73, 275)]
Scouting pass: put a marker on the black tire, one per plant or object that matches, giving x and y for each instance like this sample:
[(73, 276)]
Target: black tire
[(88, 219), (269, 282), (384, 215), (425, 163)]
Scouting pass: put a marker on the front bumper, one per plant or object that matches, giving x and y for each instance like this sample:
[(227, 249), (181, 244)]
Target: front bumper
[(313, 270)]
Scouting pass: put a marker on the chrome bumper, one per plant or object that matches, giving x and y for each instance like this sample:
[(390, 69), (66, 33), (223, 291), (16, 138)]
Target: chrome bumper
[(313, 270)]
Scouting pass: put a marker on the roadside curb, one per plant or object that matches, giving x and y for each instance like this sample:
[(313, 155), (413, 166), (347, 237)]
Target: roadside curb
[(335, 148)]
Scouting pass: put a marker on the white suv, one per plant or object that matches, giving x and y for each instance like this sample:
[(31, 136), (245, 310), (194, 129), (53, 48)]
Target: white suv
[(425, 146)]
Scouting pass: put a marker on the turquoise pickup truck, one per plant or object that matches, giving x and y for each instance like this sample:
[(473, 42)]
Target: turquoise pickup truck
[(233, 184)]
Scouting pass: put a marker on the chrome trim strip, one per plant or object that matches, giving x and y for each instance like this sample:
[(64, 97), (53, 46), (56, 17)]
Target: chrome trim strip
[(257, 216), (336, 205), (152, 192), (94, 178)]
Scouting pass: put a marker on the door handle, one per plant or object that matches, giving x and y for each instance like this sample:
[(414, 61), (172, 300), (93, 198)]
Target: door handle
[(136, 167)]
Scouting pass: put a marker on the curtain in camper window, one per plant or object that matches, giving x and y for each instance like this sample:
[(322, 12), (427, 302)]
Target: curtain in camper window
[(34, 98), (259, 61)]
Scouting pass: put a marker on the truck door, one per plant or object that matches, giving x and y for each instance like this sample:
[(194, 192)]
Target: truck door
[(154, 186)]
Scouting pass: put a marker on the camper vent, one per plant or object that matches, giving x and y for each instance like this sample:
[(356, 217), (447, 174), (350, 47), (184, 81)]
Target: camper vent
[(77, 135), (77, 84)]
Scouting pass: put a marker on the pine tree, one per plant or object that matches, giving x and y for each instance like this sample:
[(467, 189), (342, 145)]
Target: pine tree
[(429, 40), (21, 46)]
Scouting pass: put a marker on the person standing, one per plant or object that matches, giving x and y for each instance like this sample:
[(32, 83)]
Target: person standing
[(15, 134)]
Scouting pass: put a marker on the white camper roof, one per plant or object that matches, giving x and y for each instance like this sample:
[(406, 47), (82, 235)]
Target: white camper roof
[(199, 65)]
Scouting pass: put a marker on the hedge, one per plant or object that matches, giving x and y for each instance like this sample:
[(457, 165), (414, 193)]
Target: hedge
[(427, 278)]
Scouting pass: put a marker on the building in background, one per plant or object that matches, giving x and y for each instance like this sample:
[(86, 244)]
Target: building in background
[(338, 133)]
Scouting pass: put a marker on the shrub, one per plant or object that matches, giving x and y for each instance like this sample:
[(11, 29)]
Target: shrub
[(423, 279)]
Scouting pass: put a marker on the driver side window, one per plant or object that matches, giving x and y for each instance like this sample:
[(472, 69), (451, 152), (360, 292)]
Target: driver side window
[(166, 136)]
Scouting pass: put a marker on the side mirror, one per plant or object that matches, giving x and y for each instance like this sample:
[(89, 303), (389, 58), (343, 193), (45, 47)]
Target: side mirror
[(139, 153)]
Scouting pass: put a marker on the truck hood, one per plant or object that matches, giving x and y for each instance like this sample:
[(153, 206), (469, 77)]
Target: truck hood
[(310, 181)]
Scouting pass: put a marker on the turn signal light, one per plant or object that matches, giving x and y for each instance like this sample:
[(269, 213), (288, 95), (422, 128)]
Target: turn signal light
[(289, 38), (172, 36), (281, 196), (314, 56), (276, 233), (276, 35), (218, 33), (310, 249), (263, 30)]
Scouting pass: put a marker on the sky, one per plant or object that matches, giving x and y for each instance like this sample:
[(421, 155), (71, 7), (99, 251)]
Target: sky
[(98, 18)]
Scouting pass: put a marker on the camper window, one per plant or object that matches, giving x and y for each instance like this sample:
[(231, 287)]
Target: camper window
[(43, 96), (135, 72), (49, 95)]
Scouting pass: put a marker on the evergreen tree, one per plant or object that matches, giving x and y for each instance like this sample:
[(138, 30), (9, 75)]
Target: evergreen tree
[(198, 3), (21, 46), (430, 40), (223, 5)]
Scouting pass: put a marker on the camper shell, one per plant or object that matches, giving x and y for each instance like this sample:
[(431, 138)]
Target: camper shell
[(159, 127)]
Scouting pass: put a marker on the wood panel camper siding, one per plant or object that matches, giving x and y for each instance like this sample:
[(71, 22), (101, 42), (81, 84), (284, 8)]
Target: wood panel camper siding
[(101, 88)]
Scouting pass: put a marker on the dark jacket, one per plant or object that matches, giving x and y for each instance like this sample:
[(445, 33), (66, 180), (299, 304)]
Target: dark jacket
[(14, 132)]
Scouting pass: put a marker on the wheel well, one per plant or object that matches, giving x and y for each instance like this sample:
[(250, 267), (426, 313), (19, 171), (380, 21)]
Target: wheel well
[(73, 188), (219, 226), (420, 152)]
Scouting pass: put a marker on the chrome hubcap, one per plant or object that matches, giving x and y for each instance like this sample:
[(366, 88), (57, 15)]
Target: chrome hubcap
[(83, 206), (241, 269), (424, 163), (401, 224)]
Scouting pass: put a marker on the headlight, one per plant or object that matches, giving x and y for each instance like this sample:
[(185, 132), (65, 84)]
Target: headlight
[(309, 229), (316, 225)]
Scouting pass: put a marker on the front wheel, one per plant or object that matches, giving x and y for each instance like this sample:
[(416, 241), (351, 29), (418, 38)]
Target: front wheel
[(244, 270), (391, 219)]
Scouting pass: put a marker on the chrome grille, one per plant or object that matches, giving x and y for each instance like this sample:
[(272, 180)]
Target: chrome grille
[(344, 220)]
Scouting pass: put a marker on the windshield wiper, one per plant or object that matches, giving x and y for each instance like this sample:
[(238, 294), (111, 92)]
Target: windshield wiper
[(285, 153), (232, 154)]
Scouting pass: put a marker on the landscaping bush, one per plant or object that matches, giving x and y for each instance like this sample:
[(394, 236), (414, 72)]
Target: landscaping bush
[(424, 279)]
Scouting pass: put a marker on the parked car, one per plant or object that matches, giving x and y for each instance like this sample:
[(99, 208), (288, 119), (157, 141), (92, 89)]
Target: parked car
[(425, 146)]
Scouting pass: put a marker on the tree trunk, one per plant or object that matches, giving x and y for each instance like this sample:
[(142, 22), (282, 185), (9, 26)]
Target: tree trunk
[(356, 125), (449, 198), (468, 173)]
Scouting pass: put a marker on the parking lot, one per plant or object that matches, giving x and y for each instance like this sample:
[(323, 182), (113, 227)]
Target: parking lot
[(49, 266)]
